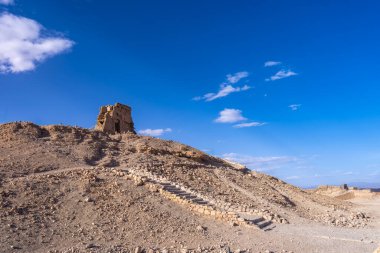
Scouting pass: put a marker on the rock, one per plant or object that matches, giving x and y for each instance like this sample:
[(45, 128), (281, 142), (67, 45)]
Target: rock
[(201, 228), (90, 246), (138, 250), (233, 224), (184, 250), (139, 182), (88, 199), (284, 221), (225, 249)]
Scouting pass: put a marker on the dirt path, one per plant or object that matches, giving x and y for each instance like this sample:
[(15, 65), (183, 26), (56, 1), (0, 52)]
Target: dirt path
[(323, 238), (52, 172)]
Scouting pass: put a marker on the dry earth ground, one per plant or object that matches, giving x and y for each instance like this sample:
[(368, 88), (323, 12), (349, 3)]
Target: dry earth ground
[(66, 189)]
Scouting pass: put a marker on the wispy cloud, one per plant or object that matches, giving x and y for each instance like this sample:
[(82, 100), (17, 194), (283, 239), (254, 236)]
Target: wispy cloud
[(7, 2), (271, 63), (227, 87), (22, 44), (281, 74), (294, 107), (374, 173), (230, 116), (249, 124), (154, 132), (234, 78), (224, 91), (292, 177), (261, 163)]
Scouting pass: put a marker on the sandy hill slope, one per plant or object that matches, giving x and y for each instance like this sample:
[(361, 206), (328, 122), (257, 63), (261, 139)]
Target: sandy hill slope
[(68, 189)]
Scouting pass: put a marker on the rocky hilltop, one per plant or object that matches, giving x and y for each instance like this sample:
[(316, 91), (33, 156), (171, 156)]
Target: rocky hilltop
[(69, 189)]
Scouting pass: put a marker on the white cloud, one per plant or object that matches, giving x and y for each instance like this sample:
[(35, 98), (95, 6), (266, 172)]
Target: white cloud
[(230, 116), (155, 132), (226, 88), (249, 124), (234, 78), (22, 44), (271, 63), (294, 107), (292, 177), (261, 163), (224, 91), (7, 2), (281, 74)]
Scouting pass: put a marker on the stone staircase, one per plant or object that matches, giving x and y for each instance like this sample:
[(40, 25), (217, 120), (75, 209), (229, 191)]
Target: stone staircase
[(259, 221), (196, 202), (183, 194)]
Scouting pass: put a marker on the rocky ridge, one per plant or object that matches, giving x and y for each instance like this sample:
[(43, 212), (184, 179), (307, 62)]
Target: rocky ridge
[(63, 185)]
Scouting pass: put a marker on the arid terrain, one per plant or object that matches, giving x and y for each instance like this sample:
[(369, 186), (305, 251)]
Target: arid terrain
[(69, 189)]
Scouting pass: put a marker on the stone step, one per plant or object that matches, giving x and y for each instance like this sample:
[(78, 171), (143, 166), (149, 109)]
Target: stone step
[(177, 192), (171, 188), (258, 220), (200, 202), (184, 195), (264, 224), (190, 197), (260, 223), (253, 226), (198, 199)]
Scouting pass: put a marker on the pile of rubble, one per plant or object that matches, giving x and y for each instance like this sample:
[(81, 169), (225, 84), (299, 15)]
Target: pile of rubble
[(353, 220)]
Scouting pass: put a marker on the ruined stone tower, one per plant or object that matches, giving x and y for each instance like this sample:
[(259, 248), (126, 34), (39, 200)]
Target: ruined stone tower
[(115, 119)]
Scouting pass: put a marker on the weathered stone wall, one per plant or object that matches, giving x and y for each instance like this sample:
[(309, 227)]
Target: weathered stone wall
[(115, 119)]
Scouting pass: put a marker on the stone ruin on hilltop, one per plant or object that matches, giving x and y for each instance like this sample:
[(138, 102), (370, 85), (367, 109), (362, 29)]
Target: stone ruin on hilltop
[(115, 119)]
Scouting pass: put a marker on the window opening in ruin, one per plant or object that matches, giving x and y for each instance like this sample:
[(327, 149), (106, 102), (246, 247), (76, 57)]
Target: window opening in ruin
[(117, 126)]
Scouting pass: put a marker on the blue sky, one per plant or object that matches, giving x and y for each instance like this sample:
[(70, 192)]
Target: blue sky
[(286, 87)]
